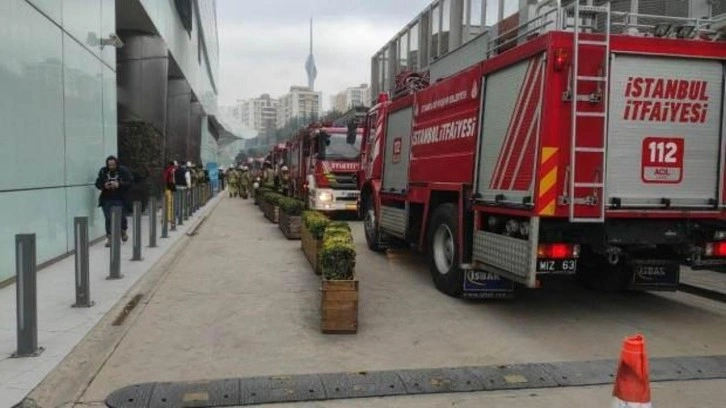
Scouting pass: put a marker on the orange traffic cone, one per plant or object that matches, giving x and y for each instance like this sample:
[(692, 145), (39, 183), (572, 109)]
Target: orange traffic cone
[(632, 385)]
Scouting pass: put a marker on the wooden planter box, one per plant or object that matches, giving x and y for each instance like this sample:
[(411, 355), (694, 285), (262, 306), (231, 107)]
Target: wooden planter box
[(339, 306), (291, 225), (272, 212), (311, 247)]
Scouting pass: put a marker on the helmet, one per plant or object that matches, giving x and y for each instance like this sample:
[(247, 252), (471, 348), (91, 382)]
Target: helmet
[(284, 168)]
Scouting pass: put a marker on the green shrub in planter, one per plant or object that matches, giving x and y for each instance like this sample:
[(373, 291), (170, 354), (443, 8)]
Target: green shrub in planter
[(291, 206), (339, 225), (273, 198), (337, 257), (316, 223)]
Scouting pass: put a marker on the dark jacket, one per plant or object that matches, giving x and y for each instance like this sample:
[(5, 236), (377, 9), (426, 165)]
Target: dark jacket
[(124, 178)]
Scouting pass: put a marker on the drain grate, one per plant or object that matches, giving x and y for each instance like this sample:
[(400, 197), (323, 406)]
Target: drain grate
[(127, 310)]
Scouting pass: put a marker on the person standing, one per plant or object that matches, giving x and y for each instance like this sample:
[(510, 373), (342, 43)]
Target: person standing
[(220, 177), (233, 182), (169, 189), (244, 182), (114, 181)]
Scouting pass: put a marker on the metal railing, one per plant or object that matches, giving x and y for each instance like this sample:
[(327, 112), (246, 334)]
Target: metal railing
[(551, 15)]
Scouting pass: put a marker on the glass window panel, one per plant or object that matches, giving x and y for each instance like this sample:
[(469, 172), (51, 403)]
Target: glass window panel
[(475, 16), (403, 52), (492, 11), (435, 19), (413, 47), (510, 7), (445, 26)]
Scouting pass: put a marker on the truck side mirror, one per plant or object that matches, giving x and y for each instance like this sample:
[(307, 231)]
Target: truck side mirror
[(323, 142), (352, 132)]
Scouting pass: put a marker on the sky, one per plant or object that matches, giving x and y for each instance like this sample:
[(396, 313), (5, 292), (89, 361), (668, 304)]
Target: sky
[(264, 44)]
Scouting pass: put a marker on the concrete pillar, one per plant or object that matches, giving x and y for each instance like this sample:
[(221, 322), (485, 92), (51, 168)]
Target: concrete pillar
[(194, 144), (142, 69), (178, 118)]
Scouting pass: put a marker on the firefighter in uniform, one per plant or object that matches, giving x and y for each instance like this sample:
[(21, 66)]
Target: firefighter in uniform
[(233, 182), (268, 175), (244, 182), (285, 180)]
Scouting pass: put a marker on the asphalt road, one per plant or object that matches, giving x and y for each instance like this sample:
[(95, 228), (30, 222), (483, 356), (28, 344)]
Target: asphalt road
[(241, 301)]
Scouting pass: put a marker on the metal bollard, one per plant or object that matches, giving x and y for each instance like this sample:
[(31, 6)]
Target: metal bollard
[(137, 232), (115, 258), (174, 209), (83, 282), (180, 207), (196, 198), (152, 222), (165, 216), (26, 296), (187, 201)]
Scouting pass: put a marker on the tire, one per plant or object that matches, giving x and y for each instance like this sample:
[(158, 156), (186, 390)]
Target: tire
[(373, 234), (443, 249)]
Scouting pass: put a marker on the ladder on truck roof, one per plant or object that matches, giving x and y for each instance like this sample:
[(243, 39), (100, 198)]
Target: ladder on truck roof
[(586, 198)]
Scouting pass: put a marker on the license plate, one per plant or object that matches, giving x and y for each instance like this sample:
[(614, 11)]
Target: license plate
[(655, 273), (483, 285), (351, 206), (557, 266)]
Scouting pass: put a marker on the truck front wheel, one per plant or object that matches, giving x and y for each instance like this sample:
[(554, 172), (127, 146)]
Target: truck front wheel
[(373, 234), (443, 250)]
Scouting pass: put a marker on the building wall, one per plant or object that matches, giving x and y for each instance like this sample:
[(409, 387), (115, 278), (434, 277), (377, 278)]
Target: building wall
[(210, 149), (58, 115), (184, 47), (197, 55)]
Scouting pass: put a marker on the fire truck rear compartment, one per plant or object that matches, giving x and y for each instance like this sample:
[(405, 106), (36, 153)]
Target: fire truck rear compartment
[(664, 132)]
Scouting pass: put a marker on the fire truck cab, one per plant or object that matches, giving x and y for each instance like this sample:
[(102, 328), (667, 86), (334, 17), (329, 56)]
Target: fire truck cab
[(570, 150), (324, 164)]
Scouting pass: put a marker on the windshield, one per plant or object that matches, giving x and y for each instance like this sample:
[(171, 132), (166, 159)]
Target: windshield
[(337, 148)]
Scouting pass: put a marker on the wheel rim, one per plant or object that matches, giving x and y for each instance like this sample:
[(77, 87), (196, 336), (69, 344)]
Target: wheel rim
[(443, 249)]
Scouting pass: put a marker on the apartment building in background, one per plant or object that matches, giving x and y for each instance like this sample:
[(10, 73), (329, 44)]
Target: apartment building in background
[(351, 97), (260, 113), (301, 102)]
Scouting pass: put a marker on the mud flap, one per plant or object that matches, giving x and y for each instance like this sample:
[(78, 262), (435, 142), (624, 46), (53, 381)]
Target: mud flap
[(655, 274), (485, 285)]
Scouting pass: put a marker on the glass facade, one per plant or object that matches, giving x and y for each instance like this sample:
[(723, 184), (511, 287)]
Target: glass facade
[(58, 118), (58, 109)]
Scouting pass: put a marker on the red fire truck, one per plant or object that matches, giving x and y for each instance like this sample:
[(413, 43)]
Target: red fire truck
[(279, 154), (581, 153), (324, 161)]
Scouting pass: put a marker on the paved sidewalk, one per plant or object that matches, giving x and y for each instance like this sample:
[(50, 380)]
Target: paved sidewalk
[(705, 280), (61, 327), (242, 301)]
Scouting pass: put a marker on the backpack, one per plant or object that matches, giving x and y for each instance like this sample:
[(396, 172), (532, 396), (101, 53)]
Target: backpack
[(179, 176)]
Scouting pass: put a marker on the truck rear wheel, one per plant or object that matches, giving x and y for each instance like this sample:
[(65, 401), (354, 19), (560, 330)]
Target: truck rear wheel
[(443, 249), (373, 234)]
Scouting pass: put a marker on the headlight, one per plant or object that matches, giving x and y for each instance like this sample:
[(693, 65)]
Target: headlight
[(323, 196), (719, 235)]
